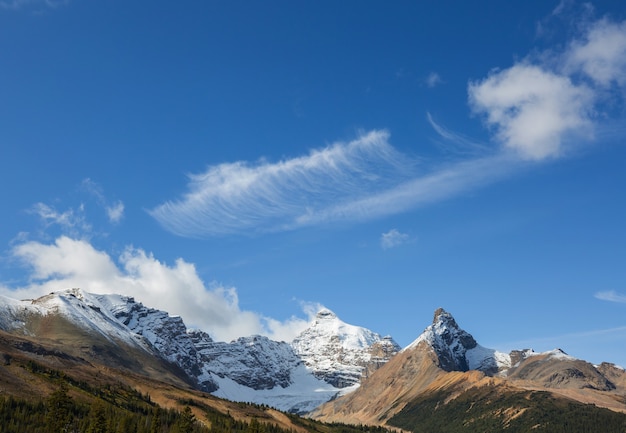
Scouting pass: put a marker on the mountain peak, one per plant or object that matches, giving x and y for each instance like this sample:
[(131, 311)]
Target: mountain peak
[(340, 353), (456, 349), (325, 314), (448, 341), (441, 315)]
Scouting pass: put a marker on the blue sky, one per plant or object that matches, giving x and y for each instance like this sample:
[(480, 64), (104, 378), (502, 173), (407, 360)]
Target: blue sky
[(243, 163)]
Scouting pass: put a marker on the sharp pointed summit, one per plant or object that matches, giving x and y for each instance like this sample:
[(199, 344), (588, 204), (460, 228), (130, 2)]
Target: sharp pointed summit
[(324, 315), (455, 348)]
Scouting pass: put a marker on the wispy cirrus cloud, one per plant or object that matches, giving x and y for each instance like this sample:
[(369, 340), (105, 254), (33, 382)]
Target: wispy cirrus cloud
[(114, 210), (20, 4), (347, 182), (71, 221), (611, 296), (458, 143), (437, 184), (242, 197)]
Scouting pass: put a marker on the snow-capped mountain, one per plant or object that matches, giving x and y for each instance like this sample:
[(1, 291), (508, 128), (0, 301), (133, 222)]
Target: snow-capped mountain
[(324, 358), (81, 308), (456, 349), (339, 353)]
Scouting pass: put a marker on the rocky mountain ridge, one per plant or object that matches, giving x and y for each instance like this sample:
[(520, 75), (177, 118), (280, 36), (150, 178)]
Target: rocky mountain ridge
[(291, 377), (456, 349), (333, 371), (445, 367)]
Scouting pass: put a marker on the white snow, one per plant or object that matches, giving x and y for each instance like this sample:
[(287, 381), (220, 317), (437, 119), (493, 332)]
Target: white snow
[(338, 351), (303, 395), (481, 358)]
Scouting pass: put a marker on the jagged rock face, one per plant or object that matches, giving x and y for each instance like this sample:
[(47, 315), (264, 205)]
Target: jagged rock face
[(381, 352), (166, 333), (556, 369), (256, 362), (449, 342), (613, 373), (339, 353)]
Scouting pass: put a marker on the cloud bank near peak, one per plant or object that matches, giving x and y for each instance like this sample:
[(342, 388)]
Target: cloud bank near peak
[(176, 288)]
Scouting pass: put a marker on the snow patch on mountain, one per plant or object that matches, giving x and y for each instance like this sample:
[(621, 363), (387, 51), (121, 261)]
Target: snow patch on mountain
[(303, 394)]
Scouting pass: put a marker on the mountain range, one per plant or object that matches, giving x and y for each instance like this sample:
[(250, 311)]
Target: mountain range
[(445, 381), (332, 371), (327, 359)]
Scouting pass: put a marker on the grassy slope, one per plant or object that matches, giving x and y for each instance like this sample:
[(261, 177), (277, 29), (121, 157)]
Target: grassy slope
[(490, 408)]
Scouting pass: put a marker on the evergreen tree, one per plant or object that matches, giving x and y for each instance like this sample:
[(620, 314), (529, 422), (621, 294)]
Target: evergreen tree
[(186, 421), (59, 410), (156, 425), (97, 419), (127, 425)]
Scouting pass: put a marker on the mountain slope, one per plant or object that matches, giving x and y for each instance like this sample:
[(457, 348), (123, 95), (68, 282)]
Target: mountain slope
[(31, 371), (253, 369), (490, 405), (446, 366), (103, 338)]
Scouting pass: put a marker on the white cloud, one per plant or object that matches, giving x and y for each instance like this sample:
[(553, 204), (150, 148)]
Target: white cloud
[(601, 54), (611, 296), (433, 80), (532, 109), (393, 238), (114, 211), (242, 197), (72, 221), (176, 288), (539, 107)]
